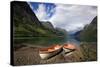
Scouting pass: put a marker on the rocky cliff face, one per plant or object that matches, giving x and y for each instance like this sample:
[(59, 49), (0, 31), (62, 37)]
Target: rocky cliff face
[(25, 22), (47, 24), (89, 33), (22, 11)]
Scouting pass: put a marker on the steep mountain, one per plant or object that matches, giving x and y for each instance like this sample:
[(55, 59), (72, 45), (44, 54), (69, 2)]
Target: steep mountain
[(61, 31), (89, 33), (76, 33), (24, 20), (26, 24), (47, 24), (57, 31)]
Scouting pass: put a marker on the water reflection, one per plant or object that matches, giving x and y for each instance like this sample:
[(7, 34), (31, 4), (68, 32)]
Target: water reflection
[(72, 39), (47, 41)]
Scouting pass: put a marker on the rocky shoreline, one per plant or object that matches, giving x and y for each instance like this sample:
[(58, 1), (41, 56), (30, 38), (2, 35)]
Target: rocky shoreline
[(29, 55)]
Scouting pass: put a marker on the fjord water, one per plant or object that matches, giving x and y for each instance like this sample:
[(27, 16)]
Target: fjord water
[(47, 41), (72, 39)]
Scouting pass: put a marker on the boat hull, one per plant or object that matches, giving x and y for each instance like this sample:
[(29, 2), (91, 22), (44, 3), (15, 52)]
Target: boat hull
[(67, 52), (48, 55)]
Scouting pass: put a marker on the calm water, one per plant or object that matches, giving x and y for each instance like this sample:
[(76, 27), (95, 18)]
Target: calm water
[(46, 41), (72, 39)]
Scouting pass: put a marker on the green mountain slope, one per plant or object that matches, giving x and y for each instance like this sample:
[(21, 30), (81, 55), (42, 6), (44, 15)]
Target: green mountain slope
[(26, 23), (89, 33)]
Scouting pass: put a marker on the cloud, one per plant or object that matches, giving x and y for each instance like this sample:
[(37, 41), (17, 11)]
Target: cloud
[(73, 17), (69, 17), (41, 12)]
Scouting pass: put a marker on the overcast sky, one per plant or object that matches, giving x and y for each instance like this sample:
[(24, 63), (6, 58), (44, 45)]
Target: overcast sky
[(69, 17)]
